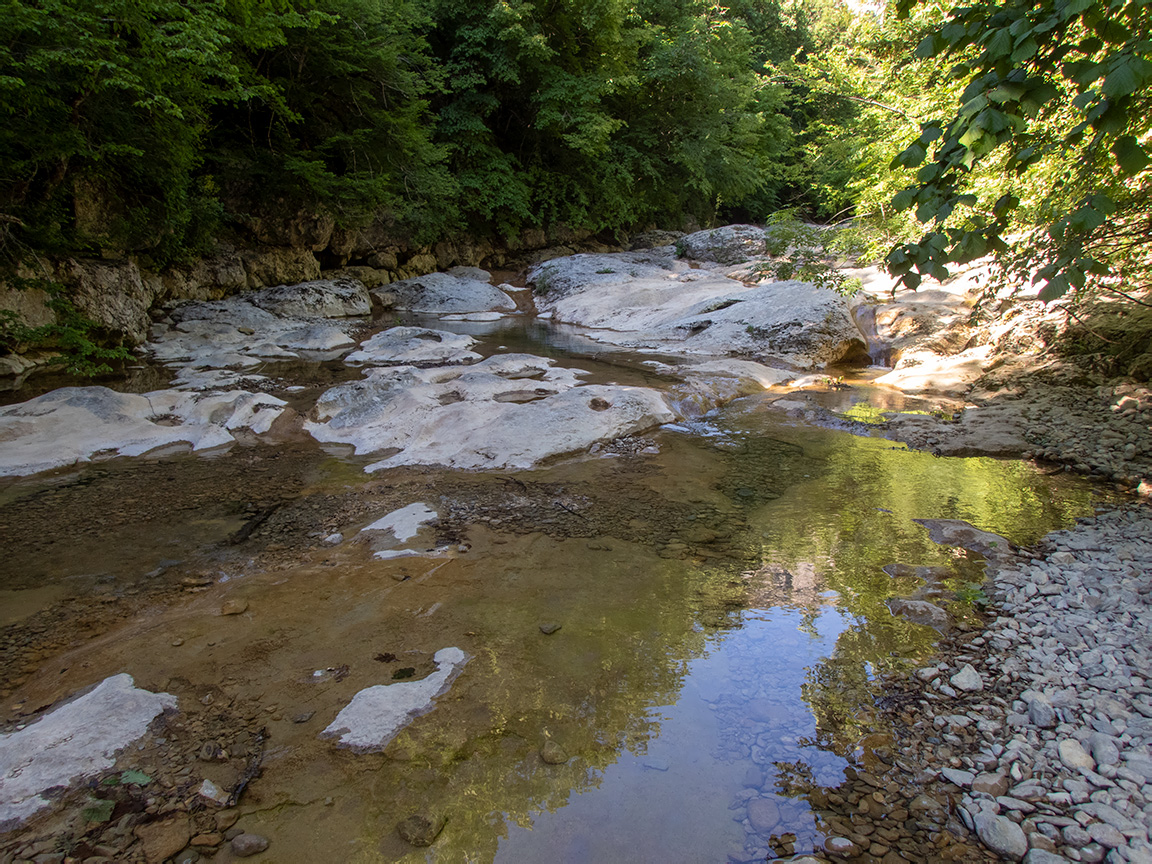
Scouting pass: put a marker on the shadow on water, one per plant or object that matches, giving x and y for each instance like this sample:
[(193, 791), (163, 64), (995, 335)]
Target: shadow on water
[(722, 612)]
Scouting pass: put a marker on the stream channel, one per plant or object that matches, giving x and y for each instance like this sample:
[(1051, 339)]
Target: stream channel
[(717, 583)]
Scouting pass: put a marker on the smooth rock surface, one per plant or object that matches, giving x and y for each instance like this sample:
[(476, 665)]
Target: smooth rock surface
[(1002, 836), (417, 346), (76, 740), (376, 714), (464, 291), (459, 417), (74, 424), (654, 301)]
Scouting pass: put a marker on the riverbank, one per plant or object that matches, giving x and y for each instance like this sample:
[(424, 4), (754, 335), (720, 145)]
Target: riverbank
[(1033, 735)]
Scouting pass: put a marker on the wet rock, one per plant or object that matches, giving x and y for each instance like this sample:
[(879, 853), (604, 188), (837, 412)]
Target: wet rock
[(247, 845), (956, 532), (841, 847), (1002, 836), (376, 714), (764, 814), (920, 612), (451, 416), (421, 829), (234, 607), (553, 754), (447, 292), (162, 840), (549, 627), (967, 679), (212, 792), (75, 741)]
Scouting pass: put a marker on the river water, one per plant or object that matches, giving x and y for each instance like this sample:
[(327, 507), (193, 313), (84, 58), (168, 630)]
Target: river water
[(718, 586)]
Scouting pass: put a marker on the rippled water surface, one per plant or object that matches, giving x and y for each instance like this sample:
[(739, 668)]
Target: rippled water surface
[(721, 611)]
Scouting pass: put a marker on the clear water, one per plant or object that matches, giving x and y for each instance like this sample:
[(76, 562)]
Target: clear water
[(722, 611)]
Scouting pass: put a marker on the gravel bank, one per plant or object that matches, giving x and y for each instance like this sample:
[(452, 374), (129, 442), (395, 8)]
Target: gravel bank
[(1038, 730)]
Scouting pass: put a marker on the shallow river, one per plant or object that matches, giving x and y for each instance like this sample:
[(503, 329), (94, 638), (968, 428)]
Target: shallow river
[(720, 602)]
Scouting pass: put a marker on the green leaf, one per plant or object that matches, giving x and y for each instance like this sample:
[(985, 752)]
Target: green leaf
[(98, 810), (1005, 204), (138, 778), (903, 199), (1122, 79), (1024, 50), (927, 47), (1055, 288), (1130, 155)]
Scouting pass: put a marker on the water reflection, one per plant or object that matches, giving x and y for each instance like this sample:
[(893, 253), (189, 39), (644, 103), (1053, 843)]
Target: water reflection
[(722, 611)]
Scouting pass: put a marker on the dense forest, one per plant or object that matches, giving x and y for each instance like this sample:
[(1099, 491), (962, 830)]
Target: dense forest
[(156, 127)]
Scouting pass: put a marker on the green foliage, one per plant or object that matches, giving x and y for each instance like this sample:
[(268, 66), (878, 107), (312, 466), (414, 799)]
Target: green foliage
[(809, 253), (1056, 95), (77, 341), (972, 594)]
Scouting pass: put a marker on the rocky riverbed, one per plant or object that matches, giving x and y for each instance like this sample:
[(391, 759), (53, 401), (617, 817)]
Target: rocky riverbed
[(1028, 738)]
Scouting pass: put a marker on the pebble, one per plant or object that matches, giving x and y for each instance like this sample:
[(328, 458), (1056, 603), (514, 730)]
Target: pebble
[(421, 829), (553, 753)]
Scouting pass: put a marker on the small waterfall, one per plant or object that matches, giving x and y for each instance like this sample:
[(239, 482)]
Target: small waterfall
[(880, 352)]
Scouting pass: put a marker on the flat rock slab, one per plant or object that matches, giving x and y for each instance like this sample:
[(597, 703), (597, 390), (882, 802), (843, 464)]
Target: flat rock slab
[(956, 532), (376, 714), (464, 290), (652, 300), (416, 346), (712, 383), (282, 323), (77, 740), (456, 417), (75, 424), (389, 535)]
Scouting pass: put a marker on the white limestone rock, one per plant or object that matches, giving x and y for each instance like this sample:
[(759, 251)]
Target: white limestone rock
[(509, 411), (376, 714), (76, 424), (650, 300), (75, 741), (462, 291), (414, 346), (323, 298)]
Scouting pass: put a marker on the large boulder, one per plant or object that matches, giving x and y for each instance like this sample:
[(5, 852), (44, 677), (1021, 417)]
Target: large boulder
[(282, 323), (510, 411), (463, 290), (76, 424), (652, 300), (323, 298), (731, 244)]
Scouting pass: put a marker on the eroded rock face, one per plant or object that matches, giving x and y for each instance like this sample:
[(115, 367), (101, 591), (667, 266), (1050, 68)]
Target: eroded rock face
[(464, 289), (285, 322), (324, 298), (509, 411), (653, 300), (75, 741), (76, 424)]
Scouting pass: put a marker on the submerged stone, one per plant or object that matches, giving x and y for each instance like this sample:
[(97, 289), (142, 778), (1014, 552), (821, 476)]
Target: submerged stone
[(421, 829)]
